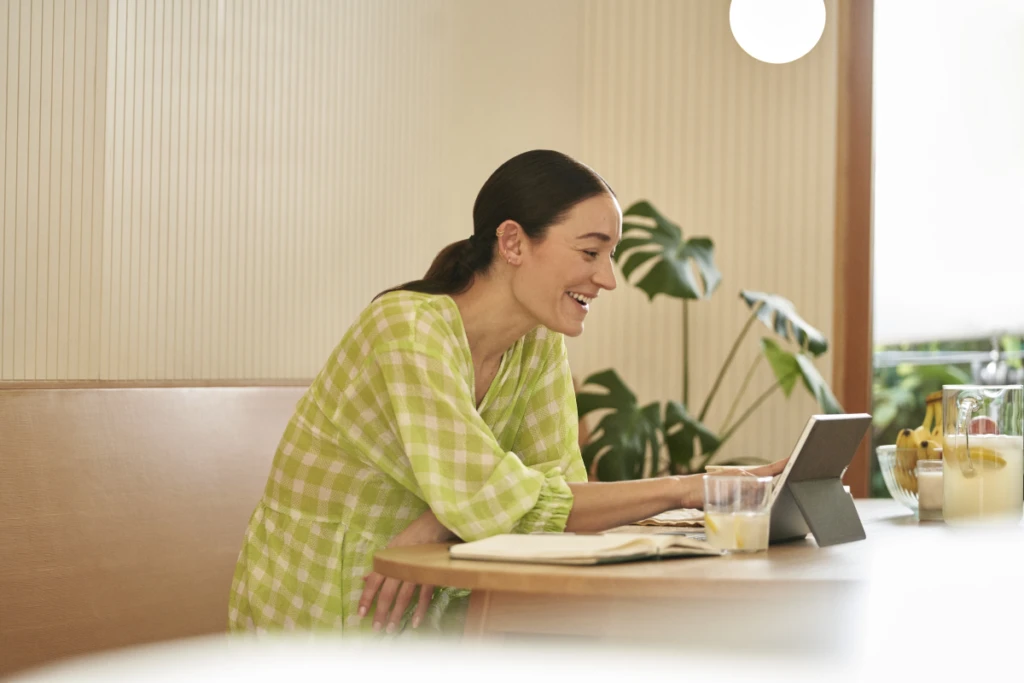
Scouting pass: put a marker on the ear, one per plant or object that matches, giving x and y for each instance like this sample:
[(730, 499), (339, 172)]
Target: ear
[(510, 238)]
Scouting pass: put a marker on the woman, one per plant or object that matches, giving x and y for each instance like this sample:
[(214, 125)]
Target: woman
[(447, 410)]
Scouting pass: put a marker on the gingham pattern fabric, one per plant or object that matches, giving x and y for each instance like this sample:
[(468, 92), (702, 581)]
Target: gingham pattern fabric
[(389, 427)]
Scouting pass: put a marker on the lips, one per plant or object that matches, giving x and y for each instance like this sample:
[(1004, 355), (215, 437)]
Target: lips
[(581, 301)]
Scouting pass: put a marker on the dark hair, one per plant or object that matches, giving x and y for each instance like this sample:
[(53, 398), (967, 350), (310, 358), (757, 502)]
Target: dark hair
[(535, 189)]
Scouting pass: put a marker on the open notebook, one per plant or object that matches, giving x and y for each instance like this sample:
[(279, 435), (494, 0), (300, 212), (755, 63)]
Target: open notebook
[(580, 549)]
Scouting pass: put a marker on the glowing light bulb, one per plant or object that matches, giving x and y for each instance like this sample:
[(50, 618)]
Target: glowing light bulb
[(777, 31)]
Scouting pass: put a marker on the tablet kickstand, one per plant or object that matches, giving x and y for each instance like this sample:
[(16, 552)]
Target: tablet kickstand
[(828, 510)]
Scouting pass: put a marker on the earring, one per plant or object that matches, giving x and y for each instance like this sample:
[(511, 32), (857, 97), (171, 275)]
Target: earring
[(499, 232)]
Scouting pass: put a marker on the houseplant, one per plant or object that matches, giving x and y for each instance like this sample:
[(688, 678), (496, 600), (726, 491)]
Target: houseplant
[(629, 439)]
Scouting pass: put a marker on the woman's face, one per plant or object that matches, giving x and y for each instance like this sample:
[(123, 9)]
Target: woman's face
[(557, 278)]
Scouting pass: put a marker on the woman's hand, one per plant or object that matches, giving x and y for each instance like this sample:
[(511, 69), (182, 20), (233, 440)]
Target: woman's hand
[(425, 529), (692, 485), (400, 592), (769, 470)]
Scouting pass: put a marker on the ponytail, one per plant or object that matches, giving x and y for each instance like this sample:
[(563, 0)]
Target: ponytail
[(535, 189), (451, 272)]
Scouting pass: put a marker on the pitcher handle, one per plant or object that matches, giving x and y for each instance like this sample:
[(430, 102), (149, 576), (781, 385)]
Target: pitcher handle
[(967, 405)]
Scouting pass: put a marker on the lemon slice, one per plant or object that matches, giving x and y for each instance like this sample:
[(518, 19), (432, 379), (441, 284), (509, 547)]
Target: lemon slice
[(709, 525), (981, 457)]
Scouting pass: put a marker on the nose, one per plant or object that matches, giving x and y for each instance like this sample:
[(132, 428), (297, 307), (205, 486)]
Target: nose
[(605, 276)]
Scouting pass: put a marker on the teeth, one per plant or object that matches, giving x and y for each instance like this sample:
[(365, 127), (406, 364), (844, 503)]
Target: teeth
[(585, 300)]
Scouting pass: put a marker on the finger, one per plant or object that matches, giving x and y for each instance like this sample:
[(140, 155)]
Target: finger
[(371, 584), (426, 593), (401, 602), (771, 470), (384, 600)]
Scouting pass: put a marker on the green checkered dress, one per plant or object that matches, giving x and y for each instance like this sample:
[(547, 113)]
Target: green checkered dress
[(389, 427)]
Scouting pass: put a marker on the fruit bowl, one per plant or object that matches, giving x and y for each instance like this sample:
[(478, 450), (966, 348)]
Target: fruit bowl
[(900, 479)]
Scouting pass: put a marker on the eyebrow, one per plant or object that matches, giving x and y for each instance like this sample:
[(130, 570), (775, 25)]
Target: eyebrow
[(598, 235)]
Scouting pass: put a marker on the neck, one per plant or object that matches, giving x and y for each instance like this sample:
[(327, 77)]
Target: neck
[(493, 319)]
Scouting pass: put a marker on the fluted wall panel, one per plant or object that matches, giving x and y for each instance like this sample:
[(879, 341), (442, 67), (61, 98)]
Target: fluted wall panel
[(203, 189), (52, 114), (731, 148), (198, 189)]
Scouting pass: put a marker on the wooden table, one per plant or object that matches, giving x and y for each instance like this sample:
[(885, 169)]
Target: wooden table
[(795, 597)]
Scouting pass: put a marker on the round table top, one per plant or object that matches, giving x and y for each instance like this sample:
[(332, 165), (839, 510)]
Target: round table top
[(896, 542)]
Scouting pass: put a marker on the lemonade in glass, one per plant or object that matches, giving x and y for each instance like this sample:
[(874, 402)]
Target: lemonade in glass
[(983, 454), (736, 511), (737, 531)]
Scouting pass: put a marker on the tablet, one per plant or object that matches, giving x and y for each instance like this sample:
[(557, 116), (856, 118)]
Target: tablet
[(809, 496)]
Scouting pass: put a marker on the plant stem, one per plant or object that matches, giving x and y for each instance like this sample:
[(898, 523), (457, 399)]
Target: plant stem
[(725, 366), (754, 406), (686, 355), (743, 388)]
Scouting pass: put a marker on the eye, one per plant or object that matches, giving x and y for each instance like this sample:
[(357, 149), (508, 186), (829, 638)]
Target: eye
[(591, 254)]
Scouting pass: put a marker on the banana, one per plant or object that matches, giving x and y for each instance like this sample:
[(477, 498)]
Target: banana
[(906, 480), (906, 458), (922, 443), (938, 410), (905, 439), (929, 416), (907, 453), (933, 413)]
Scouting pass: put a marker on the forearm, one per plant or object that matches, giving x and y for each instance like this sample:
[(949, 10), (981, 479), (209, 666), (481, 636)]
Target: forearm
[(598, 506), (424, 529)]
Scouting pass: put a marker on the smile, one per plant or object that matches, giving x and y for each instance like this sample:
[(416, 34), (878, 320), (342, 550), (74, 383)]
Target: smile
[(583, 301)]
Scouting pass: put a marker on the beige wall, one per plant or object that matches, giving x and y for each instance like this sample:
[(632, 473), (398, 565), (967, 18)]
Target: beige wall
[(214, 190)]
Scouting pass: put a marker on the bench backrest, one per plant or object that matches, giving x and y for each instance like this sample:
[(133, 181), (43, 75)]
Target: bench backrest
[(122, 510)]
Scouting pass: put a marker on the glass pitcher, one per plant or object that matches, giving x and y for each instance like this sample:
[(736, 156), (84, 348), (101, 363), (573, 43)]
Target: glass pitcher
[(983, 453)]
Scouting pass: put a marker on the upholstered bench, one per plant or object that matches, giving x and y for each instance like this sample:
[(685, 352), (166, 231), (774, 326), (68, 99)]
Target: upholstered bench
[(122, 509)]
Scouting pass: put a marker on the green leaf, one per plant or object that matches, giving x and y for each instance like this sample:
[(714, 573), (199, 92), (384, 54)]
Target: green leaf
[(939, 375), (779, 314), (675, 260), (682, 433), (1011, 346), (885, 413), (783, 364), (625, 443), (788, 367), (817, 386)]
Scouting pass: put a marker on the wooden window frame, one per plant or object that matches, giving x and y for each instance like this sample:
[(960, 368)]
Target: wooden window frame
[(852, 333)]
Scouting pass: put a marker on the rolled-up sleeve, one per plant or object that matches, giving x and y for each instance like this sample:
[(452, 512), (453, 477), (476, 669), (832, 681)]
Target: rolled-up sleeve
[(548, 440)]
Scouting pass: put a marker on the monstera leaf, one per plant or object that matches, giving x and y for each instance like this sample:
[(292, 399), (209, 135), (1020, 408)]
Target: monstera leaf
[(788, 367), (674, 259), (626, 438), (783, 364), (682, 432), (780, 315)]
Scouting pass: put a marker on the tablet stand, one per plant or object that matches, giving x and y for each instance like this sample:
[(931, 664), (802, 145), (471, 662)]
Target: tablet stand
[(828, 511)]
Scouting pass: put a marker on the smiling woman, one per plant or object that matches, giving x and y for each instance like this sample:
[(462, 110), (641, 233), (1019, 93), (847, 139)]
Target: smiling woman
[(447, 410), (540, 221)]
